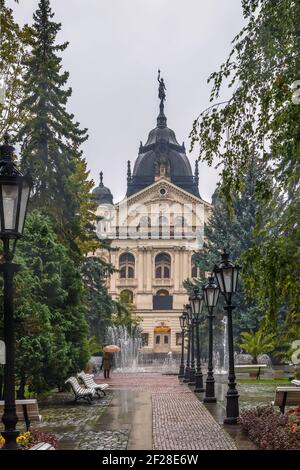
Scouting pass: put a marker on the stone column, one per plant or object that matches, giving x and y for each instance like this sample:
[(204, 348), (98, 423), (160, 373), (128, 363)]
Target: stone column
[(114, 276), (185, 267), (140, 253), (149, 269), (176, 269)]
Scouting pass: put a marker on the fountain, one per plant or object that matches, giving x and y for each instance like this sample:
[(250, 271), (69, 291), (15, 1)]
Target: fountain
[(221, 360), (170, 364), (127, 360)]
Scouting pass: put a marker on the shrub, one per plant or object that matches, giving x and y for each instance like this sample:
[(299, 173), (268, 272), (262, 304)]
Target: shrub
[(34, 436), (269, 429)]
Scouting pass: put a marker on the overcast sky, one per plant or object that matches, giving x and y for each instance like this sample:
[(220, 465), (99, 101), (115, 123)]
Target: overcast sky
[(116, 47)]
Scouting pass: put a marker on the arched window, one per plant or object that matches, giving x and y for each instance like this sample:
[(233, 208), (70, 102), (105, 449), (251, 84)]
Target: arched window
[(163, 221), (145, 222), (127, 296), (163, 266), (197, 272), (194, 271), (162, 292), (126, 266), (179, 221)]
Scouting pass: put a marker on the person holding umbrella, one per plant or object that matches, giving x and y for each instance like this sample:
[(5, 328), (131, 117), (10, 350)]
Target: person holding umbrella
[(107, 351)]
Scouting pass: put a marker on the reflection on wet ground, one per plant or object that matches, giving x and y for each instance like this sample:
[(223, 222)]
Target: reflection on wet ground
[(123, 419)]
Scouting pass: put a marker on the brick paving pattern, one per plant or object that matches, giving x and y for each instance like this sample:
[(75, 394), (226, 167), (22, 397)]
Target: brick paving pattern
[(180, 420)]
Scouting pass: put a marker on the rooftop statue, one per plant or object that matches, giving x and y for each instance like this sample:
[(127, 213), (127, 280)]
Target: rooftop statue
[(162, 88)]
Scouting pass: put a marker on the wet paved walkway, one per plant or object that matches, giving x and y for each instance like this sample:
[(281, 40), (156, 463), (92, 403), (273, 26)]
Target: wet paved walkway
[(163, 414)]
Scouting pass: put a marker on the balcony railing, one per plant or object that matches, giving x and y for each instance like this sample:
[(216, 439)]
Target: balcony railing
[(126, 282)]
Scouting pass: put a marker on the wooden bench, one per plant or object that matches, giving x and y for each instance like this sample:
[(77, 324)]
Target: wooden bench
[(27, 411), (88, 380), (42, 446), (285, 396), (257, 368)]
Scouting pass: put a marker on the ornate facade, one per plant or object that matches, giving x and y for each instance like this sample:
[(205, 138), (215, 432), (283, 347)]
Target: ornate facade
[(156, 228)]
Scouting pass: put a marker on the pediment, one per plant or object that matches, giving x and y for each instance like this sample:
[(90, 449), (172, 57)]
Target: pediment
[(162, 191)]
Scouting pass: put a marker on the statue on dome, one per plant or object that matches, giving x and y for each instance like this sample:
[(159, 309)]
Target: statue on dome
[(162, 88)]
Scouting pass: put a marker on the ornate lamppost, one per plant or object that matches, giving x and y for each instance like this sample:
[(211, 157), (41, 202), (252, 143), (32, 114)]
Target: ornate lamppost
[(188, 356), (211, 296), (14, 195), (182, 321), (196, 303), (192, 379), (227, 277)]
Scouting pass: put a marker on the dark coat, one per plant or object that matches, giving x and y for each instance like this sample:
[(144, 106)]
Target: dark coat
[(106, 361)]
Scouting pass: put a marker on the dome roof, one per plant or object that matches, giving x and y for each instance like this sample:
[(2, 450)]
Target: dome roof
[(162, 150), (101, 193)]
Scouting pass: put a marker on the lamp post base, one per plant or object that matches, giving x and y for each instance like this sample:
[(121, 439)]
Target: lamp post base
[(199, 383), (10, 440), (232, 408), (181, 371), (210, 389), (230, 421), (209, 400), (186, 378), (192, 379)]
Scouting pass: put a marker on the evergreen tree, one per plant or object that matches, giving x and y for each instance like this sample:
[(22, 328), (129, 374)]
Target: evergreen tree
[(98, 302), (235, 232), (51, 139), (50, 317)]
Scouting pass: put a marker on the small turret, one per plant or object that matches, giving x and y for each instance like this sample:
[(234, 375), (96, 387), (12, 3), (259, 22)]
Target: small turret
[(101, 193)]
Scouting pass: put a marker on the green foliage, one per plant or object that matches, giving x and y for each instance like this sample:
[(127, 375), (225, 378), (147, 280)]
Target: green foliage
[(61, 294), (94, 345), (236, 233), (124, 316), (50, 322), (256, 343), (51, 139), (13, 41), (98, 302), (261, 113)]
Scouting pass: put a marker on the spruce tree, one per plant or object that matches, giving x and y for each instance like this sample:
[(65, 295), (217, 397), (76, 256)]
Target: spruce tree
[(51, 138), (50, 315), (99, 304), (235, 231)]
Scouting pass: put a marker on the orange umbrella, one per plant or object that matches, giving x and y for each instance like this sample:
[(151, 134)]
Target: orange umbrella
[(111, 348)]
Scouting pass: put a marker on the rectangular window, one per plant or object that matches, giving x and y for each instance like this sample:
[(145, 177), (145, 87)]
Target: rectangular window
[(162, 302), (157, 339), (178, 339), (145, 339), (166, 339)]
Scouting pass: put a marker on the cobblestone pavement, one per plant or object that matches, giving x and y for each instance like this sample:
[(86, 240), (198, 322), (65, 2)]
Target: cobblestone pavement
[(76, 425), (180, 420)]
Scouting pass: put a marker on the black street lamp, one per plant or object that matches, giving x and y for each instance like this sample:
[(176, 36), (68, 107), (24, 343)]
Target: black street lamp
[(14, 195), (211, 296), (227, 277), (196, 303), (192, 379), (182, 321), (188, 356)]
